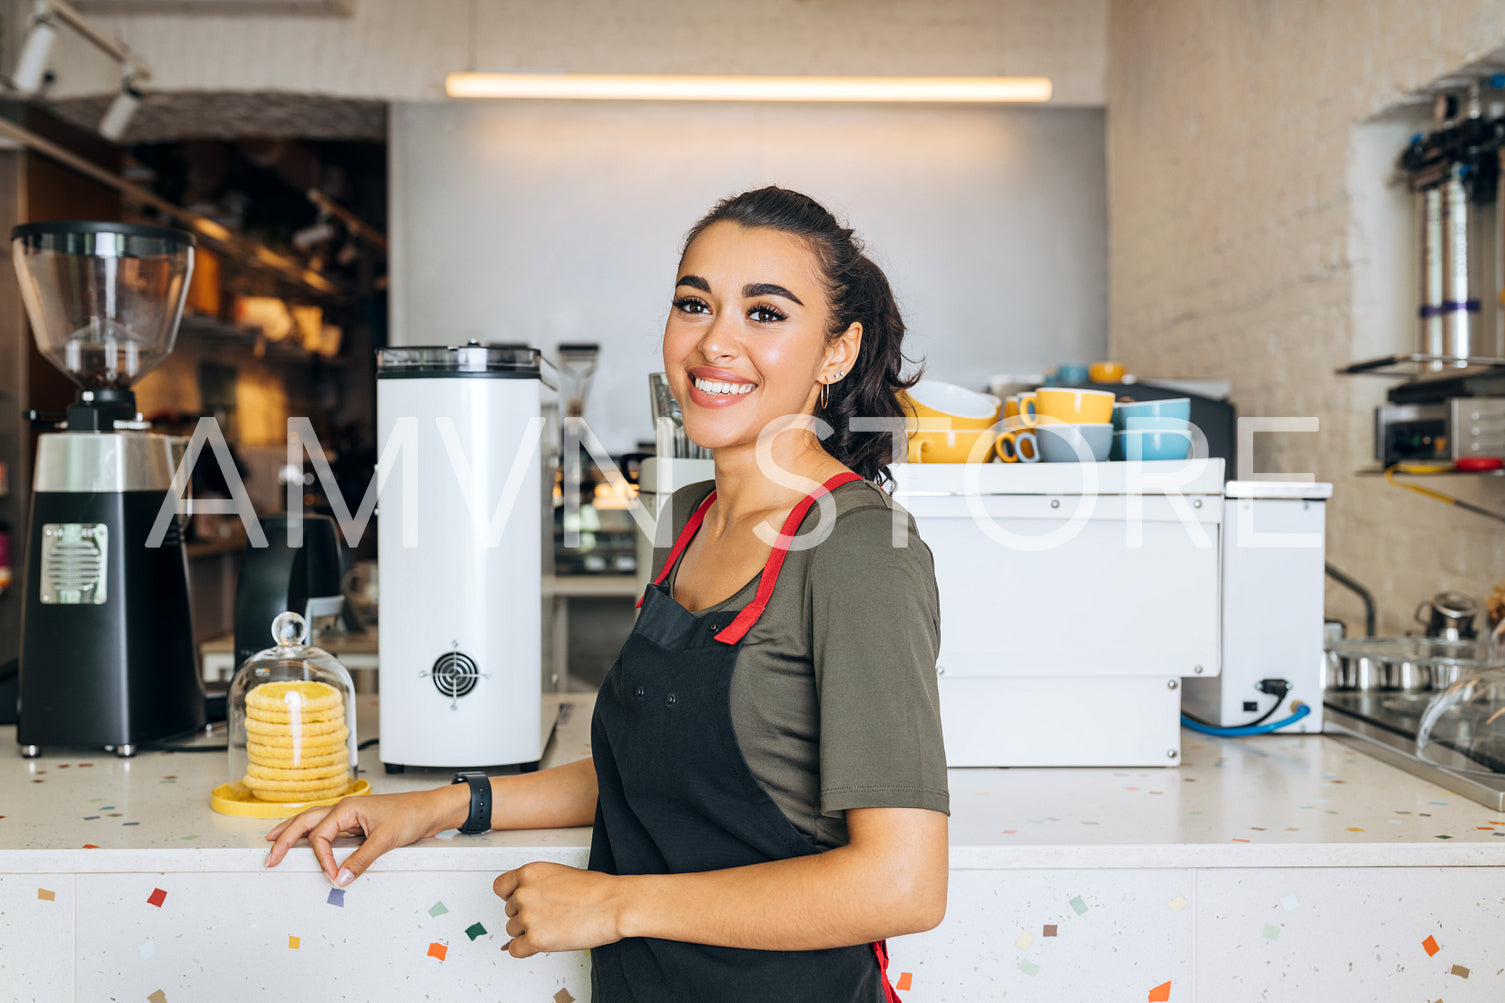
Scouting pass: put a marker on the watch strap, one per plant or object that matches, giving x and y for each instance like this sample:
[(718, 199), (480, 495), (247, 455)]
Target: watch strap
[(478, 820)]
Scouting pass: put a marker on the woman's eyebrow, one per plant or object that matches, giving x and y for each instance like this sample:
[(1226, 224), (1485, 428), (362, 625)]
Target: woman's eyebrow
[(695, 282), (753, 289)]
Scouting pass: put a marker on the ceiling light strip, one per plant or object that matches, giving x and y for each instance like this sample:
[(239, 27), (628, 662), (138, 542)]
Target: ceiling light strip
[(633, 87)]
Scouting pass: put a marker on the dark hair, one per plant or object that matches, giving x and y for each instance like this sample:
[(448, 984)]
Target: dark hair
[(856, 291)]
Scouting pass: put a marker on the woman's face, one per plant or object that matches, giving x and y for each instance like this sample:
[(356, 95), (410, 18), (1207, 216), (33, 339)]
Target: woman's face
[(746, 338)]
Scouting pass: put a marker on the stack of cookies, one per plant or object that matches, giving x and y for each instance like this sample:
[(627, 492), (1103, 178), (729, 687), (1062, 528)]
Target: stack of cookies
[(297, 743)]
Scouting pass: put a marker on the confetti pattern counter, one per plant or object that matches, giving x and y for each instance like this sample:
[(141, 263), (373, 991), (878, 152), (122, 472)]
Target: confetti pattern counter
[(1261, 869)]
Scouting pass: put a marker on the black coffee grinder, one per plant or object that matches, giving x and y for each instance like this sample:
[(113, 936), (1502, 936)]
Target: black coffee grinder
[(107, 654)]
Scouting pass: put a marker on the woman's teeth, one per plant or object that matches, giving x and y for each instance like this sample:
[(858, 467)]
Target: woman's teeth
[(730, 389)]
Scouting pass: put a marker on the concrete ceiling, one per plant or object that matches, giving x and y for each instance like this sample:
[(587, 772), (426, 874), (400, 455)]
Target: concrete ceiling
[(165, 117)]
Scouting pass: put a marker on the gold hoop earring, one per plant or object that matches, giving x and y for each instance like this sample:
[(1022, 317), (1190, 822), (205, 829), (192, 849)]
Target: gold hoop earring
[(825, 394)]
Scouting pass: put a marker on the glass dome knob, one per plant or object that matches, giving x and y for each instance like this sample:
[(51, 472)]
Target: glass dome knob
[(289, 630)]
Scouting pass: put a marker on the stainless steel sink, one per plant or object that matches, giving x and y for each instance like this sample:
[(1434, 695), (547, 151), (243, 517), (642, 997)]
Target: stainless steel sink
[(1383, 724)]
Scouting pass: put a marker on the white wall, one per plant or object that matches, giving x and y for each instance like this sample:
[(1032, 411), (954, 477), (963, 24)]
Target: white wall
[(547, 222), (1254, 236)]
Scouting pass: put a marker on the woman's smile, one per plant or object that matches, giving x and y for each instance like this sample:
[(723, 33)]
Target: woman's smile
[(711, 387)]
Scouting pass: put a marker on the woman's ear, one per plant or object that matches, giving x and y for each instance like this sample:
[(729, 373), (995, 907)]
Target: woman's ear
[(841, 354)]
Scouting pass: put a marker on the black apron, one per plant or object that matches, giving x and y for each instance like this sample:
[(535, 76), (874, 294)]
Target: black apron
[(675, 795)]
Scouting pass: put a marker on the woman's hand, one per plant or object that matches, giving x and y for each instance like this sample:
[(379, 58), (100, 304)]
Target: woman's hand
[(386, 820), (551, 907)]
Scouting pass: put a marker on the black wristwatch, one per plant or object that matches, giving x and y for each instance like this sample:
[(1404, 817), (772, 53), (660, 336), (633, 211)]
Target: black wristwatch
[(479, 819)]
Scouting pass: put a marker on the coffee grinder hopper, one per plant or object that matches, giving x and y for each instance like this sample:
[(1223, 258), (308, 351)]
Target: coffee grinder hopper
[(104, 301)]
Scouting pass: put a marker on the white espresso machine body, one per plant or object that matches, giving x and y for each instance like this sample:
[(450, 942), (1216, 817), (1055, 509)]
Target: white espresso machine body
[(460, 553), (1074, 598), (1274, 571)]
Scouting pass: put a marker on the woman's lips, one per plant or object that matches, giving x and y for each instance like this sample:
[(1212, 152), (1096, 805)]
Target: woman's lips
[(714, 396)]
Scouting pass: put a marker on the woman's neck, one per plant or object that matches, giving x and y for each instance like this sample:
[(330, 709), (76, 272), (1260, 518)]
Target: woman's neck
[(749, 485)]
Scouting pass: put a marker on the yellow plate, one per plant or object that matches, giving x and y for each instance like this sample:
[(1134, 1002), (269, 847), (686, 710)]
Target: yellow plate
[(227, 802)]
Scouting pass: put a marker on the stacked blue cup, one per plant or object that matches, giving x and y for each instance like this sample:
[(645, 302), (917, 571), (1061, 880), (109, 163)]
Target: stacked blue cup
[(1152, 430)]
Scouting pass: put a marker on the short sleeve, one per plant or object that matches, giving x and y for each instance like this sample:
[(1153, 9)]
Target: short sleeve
[(875, 633)]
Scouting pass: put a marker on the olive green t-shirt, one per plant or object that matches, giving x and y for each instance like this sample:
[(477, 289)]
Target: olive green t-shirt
[(833, 698)]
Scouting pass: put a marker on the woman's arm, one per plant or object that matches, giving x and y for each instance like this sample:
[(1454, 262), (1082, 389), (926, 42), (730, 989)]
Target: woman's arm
[(553, 798), (890, 879)]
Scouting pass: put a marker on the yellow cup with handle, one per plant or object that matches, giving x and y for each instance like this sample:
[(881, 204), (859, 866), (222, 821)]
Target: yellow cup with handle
[(948, 423), (1067, 404), (1017, 445)]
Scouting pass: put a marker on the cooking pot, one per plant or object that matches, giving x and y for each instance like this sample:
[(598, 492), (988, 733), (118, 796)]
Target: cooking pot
[(1401, 663)]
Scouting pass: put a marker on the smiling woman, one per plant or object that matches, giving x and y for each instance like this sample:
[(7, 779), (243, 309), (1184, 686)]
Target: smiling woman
[(767, 779)]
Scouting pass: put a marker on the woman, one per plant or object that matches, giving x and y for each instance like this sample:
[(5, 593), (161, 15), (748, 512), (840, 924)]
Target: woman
[(767, 781)]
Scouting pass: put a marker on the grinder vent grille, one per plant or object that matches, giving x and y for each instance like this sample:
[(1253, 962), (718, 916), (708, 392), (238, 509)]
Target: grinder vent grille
[(73, 563), (454, 674)]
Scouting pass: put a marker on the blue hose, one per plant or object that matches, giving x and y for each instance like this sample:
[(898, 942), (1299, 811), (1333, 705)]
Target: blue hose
[(1300, 709)]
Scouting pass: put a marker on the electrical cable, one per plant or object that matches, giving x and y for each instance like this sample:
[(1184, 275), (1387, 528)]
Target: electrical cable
[(160, 747), (1301, 710), (1278, 687)]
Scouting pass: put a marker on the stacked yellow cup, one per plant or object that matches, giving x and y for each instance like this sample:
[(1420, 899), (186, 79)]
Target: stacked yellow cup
[(1070, 425), (947, 423)]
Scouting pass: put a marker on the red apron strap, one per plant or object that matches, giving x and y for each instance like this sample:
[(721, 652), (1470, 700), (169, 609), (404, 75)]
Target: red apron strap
[(685, 536), (738, 628), (880, 949)]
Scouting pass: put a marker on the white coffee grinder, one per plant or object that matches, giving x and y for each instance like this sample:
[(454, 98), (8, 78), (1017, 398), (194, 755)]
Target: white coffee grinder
[(461, 549), (107, 654)]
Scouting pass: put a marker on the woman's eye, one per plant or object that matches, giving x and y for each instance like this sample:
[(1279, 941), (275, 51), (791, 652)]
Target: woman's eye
[(764, 314), (691, 304)]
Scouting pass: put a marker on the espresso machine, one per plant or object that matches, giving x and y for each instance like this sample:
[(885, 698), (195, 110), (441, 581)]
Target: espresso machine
[(107, 655)]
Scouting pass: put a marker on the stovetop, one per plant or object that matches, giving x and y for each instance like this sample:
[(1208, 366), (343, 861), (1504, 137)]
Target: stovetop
[(1384, 724)]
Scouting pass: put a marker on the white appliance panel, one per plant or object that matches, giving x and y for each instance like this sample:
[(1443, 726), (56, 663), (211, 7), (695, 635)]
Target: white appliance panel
[(468, 579), (1273, 578), (1108, 721), (1091, 605)]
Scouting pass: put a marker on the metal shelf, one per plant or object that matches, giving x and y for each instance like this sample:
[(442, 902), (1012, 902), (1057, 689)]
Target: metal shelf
[(210, 331), (1414, 366), (1380, 472)]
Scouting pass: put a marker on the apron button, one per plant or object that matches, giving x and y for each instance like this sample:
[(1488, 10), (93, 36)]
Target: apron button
[(639, 692), (671, 699)]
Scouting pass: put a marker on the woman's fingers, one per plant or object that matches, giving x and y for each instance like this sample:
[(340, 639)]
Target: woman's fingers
[(551, 907), (378, 841), (290, 831), (321, 838), (519, 947)]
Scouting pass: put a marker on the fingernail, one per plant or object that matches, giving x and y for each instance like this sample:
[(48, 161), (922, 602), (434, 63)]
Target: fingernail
[(343, 878), (268, 861)]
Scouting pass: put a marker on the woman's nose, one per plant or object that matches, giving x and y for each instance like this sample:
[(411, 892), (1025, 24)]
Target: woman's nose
[(720, 340)]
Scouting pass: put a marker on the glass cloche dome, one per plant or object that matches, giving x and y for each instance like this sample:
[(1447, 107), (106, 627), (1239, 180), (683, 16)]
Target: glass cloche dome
[(1463, 727), (292, 744)]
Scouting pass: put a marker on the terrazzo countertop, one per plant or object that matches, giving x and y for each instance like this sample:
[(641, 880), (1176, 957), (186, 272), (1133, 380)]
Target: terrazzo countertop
[(92, 812), (1272, 801)]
